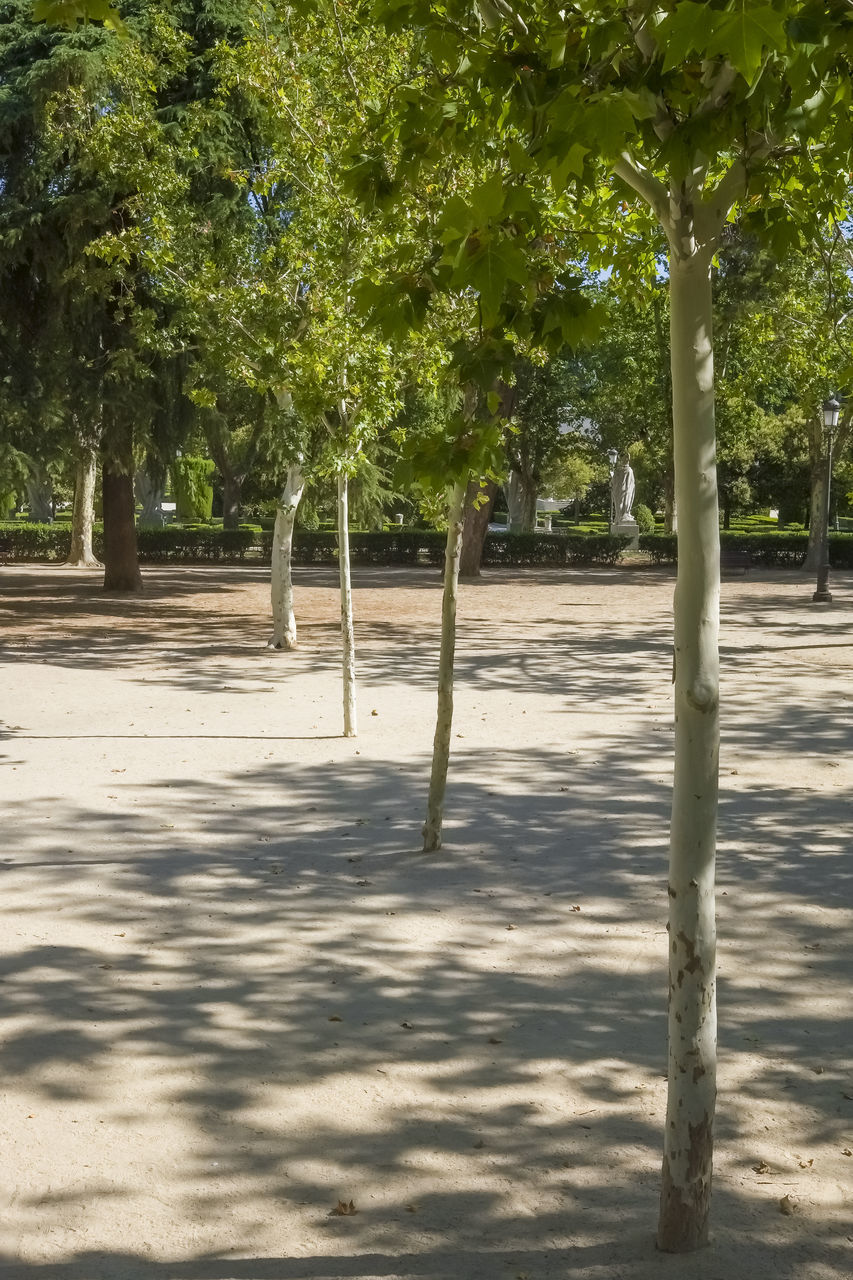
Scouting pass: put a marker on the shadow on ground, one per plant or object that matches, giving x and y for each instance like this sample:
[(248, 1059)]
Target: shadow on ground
[(473, 1042)]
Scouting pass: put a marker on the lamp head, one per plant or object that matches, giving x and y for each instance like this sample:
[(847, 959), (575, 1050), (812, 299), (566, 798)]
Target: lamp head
[(831, 410)]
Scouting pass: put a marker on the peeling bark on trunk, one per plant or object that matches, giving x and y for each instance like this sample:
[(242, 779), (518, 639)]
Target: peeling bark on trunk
[(81, 555), (347, 631), (475, 526), (688, 1141), (121, 565), (444, 717), (284, 618)]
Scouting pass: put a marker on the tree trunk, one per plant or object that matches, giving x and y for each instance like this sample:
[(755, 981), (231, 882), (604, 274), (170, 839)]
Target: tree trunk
[(688, 1142), (347, 632), (475, 525), (521, 502), (817, 503), (121, 564), (670, 515), (232, 485), (150, 486), (40, 496), (444, 717), (81, 555), (284, 619)]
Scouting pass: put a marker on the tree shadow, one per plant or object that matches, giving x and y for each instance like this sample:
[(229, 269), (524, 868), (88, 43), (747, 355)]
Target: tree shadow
[(270, 1000), (469, 1045)]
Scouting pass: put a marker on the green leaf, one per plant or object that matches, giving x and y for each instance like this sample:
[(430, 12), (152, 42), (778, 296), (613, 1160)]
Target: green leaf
[(686, 30), (744, 35), (67, 13)]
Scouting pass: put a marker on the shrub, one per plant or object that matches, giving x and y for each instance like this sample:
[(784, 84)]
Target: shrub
[(645, 519), (767, 550), (530, 549)]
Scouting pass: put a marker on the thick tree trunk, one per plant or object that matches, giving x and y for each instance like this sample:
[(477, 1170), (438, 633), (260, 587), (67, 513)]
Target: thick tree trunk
[(121, 565), (688, 1142), (232, 485), (347, 631), (284, 618), (81, 555), (40, 496), (150, 486), (475, 525), (521, 502), (444, 717)]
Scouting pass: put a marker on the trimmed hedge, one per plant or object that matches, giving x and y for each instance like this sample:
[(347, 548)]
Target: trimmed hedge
[(205, 544), (766, 550), (525, 550), (176, 544)]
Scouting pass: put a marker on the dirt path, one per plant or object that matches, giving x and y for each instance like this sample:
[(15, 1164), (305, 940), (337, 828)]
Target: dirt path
[(235, 993)]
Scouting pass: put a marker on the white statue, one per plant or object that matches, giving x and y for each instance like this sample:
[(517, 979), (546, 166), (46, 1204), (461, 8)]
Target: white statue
[(622, 492)]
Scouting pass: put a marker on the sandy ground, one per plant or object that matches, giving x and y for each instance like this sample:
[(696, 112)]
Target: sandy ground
[(235, 993)]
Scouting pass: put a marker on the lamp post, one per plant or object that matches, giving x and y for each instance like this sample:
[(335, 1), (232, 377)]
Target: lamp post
[(830, 410)]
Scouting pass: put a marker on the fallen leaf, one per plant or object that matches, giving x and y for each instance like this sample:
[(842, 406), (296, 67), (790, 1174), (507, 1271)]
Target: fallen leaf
[(806, 1164), (344, 1209), (818, 1071), (764, 1167), (575, 908), (374, 713), (510, 926), (845, 1151), (789, 1205)]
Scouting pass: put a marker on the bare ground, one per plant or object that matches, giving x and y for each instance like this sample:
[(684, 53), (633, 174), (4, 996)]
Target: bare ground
[(235, 992)]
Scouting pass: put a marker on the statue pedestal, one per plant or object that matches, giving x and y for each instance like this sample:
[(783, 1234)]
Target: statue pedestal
[(627, 529)]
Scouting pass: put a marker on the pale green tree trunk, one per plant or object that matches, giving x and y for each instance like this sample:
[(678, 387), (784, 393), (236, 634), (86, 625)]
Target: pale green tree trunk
[(284, 618), (81, 555), (444, 717), (347, 631), (688, 1141)]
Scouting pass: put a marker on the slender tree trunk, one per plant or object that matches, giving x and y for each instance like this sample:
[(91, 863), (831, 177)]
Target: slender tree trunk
[(121, 564), (688, 1143), (284, 619), (444, 717), (347, 631), (475, 525), (232, 485), (670, 515), (81, 554), (817, 501)]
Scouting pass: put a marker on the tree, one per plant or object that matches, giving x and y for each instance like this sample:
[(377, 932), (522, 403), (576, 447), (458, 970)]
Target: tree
[(692, 110)]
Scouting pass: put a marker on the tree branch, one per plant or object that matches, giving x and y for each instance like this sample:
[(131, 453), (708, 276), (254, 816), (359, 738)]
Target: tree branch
[(646, 185)]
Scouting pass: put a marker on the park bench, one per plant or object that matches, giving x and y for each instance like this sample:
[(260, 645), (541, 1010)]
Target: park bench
[(735, 559)]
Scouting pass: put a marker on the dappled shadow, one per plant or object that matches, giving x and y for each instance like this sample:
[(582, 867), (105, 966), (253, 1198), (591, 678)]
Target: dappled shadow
[(510, 988), (254, 984)]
